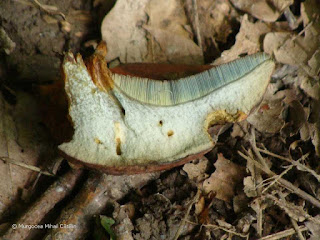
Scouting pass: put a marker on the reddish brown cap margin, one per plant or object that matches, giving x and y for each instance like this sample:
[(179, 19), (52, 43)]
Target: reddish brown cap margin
[(134, 169)]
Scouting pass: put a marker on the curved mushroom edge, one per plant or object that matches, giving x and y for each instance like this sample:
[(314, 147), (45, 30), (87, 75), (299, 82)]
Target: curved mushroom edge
[(215, 117), (132, 169)]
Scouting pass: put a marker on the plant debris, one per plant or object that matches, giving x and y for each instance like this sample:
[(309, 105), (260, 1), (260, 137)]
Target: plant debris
[(260, 181)]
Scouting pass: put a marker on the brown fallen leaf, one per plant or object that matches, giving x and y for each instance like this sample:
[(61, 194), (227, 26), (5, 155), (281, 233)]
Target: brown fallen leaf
[(296, 118), (22, 139), (266, 10), (196, 169), (300, 50), (240, 129), (268, 118), (247, 40), (176, 48), (212, 21), (119, 29), (314, 228), (149, 31), (225, 178), (250, 187), (310, 87)]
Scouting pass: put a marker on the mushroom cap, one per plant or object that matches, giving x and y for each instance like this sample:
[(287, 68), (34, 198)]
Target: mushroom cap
[(128, 125)]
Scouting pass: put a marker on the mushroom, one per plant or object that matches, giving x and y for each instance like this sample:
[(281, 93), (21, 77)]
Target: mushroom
[(126, 124)]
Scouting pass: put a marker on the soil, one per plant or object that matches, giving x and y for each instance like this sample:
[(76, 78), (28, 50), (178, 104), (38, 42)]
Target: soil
[(41, 37), (43, 32)]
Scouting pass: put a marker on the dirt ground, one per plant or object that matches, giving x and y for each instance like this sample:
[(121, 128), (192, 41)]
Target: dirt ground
[(260, 181)]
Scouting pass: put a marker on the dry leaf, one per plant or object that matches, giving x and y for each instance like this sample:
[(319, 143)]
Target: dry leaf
[(245, 222), (216, 23), (170, 40), (268, 11), (225, 178), (247, 40), (296, 118), (149, 31), (199, 206), (300, 50), (314, 228), (22, 139), (174, 48), (121, 29), (240, 129), (293, 211), (249, 187), (268, 118), (196, 169), (310, 87), (212, 22)]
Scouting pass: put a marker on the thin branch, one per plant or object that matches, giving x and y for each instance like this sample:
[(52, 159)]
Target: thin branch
[(226, 230), (284, 182), (255, 149), (283, 234), (214, 226), (96, 193), (49, 9), (39, 209), (277, 178), (183, 222), (293, 162), (296, 227), (30, 167)]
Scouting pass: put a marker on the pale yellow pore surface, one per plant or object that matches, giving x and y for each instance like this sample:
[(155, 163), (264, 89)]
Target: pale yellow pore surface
[(136, 133)]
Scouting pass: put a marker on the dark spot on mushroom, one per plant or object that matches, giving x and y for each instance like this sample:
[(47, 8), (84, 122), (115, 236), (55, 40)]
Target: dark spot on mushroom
[(118, 147), (170, 133), (160, 123)]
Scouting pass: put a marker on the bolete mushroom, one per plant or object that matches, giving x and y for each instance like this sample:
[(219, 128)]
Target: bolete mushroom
[(126, 124)]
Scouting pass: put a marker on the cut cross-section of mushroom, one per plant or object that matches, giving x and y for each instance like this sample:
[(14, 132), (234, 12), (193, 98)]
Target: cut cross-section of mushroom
[(130, 124)]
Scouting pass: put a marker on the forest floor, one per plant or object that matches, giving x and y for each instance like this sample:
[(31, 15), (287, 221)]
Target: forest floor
[(260, 181)]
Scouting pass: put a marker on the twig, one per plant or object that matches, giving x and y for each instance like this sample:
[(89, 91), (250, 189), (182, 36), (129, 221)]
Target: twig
[(49, 9), (302, 31), (293, 22), (293, 162), (276, 179), (226, 230), (255, 149), (97, 192), (258, 209), (295, 212), (256, 173), (296, 227), (284, 233), (284, 182), (54, 194), (21, 164), (221, 228), (183, 222)]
